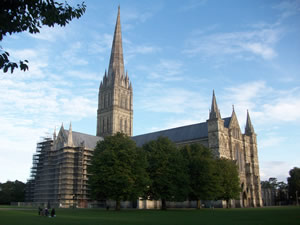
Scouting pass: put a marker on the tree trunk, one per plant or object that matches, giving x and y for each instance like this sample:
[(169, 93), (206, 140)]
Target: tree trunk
[(199, 205), (163, 204), (118, 204)]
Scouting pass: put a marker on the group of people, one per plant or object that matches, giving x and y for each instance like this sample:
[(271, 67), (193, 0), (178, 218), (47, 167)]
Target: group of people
[(45, 212)]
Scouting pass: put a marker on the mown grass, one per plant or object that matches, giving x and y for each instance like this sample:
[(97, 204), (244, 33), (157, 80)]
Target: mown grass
[(255, 216)]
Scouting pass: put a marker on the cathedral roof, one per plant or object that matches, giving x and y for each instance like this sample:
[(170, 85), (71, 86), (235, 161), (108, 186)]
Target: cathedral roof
[(227, 121), (179, 134), (86, 140)]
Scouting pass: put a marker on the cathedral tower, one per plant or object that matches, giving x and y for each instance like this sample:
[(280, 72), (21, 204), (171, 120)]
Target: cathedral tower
[(115, 111)]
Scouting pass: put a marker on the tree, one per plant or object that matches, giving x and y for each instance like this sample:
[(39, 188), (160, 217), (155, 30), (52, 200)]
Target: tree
[(271, 183), (294, 183), (279, 189), (228, 178), (12, 191), (31, 15), (167, 170), (118, 170), (201, 170)]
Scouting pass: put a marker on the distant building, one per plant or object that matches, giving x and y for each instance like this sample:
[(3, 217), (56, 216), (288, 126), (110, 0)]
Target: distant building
[(60, 165)]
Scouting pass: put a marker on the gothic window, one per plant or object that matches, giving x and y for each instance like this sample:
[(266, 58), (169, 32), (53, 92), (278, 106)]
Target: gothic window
[(103, 125), (102, 102), (239, 158), (105, 101), (109, 99), (121, 125), (125, 129), (107, 124), (104, 129), (126, 103)]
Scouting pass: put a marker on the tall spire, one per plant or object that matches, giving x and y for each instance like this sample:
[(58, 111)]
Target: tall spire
[(116, 64), (249, 128), (214, 112)]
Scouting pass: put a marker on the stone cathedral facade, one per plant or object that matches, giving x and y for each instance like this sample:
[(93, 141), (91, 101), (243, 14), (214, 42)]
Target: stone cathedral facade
[(59, 172)]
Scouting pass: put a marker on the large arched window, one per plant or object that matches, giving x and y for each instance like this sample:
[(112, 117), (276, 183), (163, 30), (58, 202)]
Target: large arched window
[(126, 103), (125, 126), (121, 124), (239, 157), (103, 125), (102, 101), (107, 124)]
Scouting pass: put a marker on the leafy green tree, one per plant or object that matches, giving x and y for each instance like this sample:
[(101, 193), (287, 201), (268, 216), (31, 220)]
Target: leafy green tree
[(228, 178), (271, 183), (118, 170), (30, 15), (167, 170), (294, 183), (202, 173), (12, 191), (280, 190)]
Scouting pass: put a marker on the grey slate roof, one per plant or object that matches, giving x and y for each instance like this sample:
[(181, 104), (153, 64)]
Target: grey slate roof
[(179, 134), (89, 141), (226, 121)]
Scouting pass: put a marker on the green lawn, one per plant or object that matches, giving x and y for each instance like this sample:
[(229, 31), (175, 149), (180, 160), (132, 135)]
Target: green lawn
[(258, 216)]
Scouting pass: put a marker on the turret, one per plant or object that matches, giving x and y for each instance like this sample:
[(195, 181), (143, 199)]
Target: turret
[(70, 136), (214, 111), (249, 130)]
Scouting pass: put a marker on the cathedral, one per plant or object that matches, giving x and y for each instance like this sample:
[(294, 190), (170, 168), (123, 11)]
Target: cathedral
[(59, 173)]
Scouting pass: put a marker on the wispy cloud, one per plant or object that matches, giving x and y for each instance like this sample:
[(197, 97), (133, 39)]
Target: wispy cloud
[(159, 98), (192, 4), (50, 33), (266, 104), (101, 43), (259, 42), (72, 55), (166, 70), (288, 8)]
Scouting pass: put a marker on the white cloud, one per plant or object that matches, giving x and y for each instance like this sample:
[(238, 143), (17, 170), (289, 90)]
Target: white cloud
[(73, 55), (278, 169), (158, 98), (266, 104), (192, 4), (288, 8), (50, 33), (271, 141), (166, 70), (284, 109), (259, 42), (101, 43), (84, 75), (260, 49), (142, 49)]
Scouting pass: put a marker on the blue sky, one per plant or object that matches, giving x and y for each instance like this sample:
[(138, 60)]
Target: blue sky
[(176, 53)]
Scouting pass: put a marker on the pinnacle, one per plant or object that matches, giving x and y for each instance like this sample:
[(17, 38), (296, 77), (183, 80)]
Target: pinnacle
[(214, 112), (249, 128)]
